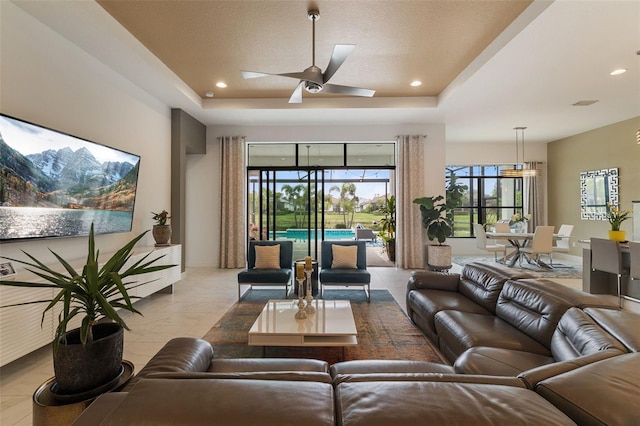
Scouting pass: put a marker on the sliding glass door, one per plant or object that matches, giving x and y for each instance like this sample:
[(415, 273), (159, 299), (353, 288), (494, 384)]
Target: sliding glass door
[(307, 206)]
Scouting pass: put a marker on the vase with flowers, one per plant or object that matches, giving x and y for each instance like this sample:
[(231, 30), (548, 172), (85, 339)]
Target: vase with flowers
[(161, 230), (518, 222), (615, 216)]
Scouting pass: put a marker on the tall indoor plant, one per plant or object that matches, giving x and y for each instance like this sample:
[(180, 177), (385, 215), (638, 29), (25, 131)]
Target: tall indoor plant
[(388, 225), (91, 355), (437, 219)]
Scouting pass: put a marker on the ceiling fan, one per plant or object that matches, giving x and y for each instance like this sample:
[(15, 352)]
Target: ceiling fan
[(313, 80)]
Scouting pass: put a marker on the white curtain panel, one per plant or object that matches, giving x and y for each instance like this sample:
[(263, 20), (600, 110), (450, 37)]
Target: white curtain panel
[(410, 177), (232, 214), (533, 199)]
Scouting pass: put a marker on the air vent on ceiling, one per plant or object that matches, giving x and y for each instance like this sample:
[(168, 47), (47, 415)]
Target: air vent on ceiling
[(584, 103)]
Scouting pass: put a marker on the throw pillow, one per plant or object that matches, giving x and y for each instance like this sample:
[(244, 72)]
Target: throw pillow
[(344, 257), (267, 257)]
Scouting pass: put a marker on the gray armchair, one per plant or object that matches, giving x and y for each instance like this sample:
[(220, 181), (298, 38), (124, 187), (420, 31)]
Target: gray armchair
[(358, 276), (268, 277)]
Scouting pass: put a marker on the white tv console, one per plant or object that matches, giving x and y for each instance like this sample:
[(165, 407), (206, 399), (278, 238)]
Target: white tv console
[(20, 326)]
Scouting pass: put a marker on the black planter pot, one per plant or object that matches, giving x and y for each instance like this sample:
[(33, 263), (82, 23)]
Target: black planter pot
[(391, 250), (81, 368)]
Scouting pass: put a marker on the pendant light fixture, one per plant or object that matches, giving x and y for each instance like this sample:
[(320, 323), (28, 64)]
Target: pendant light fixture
[(520, 169)]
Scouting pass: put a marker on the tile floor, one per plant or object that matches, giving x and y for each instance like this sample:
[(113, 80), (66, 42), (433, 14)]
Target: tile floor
[(199, 300)]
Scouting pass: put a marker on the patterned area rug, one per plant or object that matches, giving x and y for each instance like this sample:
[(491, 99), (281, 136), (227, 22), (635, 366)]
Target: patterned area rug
[(384, 331), (559, 270)]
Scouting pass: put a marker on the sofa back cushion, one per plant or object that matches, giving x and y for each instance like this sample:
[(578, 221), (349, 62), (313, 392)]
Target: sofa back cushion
[(534, 312), (482, 283), (600, 393), (577, 334)]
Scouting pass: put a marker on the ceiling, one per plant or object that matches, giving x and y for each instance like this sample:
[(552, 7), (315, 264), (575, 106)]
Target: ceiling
[(486, 66)]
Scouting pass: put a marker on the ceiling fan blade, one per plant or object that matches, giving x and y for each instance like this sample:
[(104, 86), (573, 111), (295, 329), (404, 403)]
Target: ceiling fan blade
[(296, 96), (347, 90), (340, 54)]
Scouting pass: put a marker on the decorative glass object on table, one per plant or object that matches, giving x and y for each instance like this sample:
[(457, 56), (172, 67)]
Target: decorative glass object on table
[(308, 270), (300, 314), (518, 223)]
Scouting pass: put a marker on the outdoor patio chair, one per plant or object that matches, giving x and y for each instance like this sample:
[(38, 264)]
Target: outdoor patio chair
[(344, 268), (365, 234), (267, 269)]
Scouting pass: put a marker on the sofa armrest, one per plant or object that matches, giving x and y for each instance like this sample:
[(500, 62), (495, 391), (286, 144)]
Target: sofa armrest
[(532, 377), (433, 280), (181, 354), (100, 408)]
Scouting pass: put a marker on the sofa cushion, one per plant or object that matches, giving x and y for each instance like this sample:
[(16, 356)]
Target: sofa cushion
[(577, 334), (601, 393), (387, 366), (482, 283), (258, 276), (236, 365), (623, 325), (427, 303), (532, 311), (416, 402), (574, 296), (223, 401), (459, 331), (267, 257), (498, 361), (345, 276)]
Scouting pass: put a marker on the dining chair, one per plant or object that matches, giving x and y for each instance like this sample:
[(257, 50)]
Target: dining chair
[(542, 243), (481, 242), (502, 228), (606, 256), (563, 244), (634, 270)]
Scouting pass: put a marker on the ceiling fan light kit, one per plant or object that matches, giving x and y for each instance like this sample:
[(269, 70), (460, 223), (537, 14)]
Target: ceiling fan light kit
[(312, 79)]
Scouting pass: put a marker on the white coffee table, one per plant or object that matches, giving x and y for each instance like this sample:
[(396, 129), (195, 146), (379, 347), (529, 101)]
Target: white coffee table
[(331, 325)]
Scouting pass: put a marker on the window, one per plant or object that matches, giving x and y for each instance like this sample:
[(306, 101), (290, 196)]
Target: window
[(489, 198)]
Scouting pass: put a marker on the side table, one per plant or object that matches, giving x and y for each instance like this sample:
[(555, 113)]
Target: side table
[(49, 411)]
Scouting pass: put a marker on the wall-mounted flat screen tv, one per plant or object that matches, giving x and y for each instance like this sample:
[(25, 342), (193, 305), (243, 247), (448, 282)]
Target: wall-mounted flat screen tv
[(53, 184)]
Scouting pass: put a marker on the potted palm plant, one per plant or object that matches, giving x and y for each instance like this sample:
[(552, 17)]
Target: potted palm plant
[(90, 356), (388, 225), (437, 219)]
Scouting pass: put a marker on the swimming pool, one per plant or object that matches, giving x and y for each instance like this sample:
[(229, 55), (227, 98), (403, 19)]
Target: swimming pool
[(329, 234)]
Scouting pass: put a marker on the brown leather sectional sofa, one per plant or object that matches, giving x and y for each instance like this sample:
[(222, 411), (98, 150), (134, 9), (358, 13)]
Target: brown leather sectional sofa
[(546, 356)]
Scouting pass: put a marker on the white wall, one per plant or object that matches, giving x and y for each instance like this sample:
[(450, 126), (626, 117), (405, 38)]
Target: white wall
[(203, 172), (48, 80)]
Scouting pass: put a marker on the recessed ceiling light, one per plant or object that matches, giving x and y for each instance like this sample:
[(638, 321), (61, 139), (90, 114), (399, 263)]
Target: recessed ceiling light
[(416, 83), (221, 84), (208, 94), (618, 71)]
